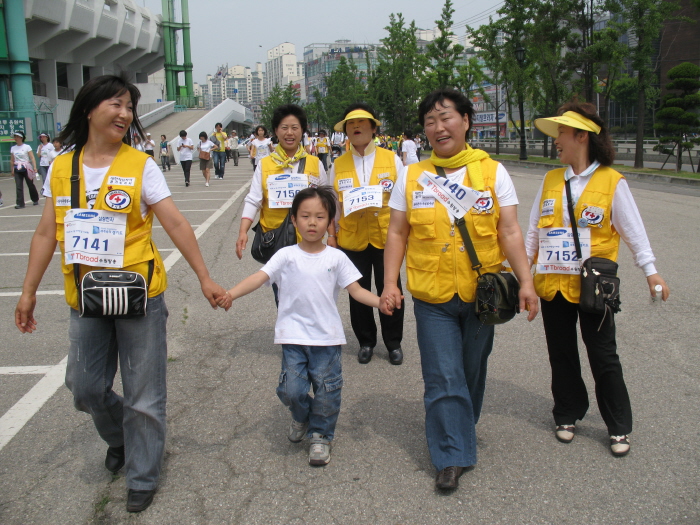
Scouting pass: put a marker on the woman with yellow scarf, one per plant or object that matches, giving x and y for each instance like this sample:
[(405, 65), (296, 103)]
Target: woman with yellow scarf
[(454, 346), (289, 123)]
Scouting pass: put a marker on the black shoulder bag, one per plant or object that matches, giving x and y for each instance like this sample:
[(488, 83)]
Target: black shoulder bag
[(112, 294), (266, 244), (497, 299), (600, 285)]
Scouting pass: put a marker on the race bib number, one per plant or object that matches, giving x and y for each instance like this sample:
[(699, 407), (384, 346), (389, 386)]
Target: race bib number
[(281, 189), (547, 207), (361, 198), (95, 237), (345, 184), (456, 198), (420, 200), (558, 250)]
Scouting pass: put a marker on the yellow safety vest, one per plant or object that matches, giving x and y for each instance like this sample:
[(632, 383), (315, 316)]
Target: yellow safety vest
[(437, 265), (597, 197), (138, 247), (271, 218), (322, 144), (368, 226)]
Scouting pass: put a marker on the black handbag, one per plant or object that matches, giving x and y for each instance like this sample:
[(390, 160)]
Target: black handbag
[(600, 285), (112, 294), (497, 299), (266, 244)]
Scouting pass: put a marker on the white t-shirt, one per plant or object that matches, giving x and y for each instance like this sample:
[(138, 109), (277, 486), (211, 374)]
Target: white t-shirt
[(153, 188), (138, 146), (308, 291), (206, 146), (409, 148), (185, 153), (44, 152), (150, 144), (262, 148), (505, 191), (21, 153)]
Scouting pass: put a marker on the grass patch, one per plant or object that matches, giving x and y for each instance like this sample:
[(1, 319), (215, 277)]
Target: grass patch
[(100, 505), (618, 167), (172, 359), (185, 316)]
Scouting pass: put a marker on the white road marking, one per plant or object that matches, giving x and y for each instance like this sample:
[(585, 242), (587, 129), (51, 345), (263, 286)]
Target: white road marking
[(17, 216), (22, 370), (21, 254), (44, 292), (14, 419)]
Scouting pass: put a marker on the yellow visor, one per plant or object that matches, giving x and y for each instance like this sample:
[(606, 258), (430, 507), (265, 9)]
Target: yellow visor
[(550, 126), (356, 113)]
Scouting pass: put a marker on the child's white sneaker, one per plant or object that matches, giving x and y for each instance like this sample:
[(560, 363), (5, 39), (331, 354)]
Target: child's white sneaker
[(320, 450), (297, 431)]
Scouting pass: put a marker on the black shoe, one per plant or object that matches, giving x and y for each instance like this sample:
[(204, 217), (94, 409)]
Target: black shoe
[(364, 356), (19, 207), (35, 203), (187, 184), (448, 478), (396, 357), (139, 500), (115, 459)]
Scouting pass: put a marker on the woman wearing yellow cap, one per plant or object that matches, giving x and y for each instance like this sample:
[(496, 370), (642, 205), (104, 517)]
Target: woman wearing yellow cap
[(454, 346), (363, 179), (604, 211)]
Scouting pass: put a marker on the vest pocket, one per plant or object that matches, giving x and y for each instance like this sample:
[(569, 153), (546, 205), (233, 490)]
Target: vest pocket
[(546, 222), (422, 222), (422, 270), (484, 223)]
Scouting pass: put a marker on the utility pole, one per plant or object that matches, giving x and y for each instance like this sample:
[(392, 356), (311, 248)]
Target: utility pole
[(172, 68)]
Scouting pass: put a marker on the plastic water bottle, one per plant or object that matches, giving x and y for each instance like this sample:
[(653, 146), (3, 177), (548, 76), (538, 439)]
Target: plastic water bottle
[(657, 300)]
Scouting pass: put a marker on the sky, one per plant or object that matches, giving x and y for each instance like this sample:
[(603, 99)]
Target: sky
[(236, 32)]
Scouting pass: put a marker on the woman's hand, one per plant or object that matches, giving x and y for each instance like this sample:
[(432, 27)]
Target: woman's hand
[(391, 299), (528, 300), (655, 279), (225, 301), (241, 244), (24, 313)]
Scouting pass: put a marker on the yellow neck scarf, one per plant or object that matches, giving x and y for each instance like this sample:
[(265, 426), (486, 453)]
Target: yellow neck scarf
[(469, 157), (281, 158), (369, 149)]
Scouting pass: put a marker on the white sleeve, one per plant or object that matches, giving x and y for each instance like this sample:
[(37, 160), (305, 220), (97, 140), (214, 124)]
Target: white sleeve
[(278, 261), (46, 188), (399, 164), (347, 272), (628, 223), (505, 190), (253, 201), (322, 175), (532, 237), (397, 201), (154, 188)]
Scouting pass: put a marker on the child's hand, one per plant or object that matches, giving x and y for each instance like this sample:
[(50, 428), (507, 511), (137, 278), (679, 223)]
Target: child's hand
[(224, 301)]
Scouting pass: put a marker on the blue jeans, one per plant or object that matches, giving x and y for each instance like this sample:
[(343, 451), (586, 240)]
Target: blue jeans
[(454, 349), (318, 367), (219, 158), (136, 420)]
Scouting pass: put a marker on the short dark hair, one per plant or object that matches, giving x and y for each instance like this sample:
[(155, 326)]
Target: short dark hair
[(92, 94), (183, 133), (600, 146), (365, 107), (325, 193), (203, 134), (287, 110), (260, 127), (163, 137), (218, 124), (408, 133), (322, 131), (462, 104)]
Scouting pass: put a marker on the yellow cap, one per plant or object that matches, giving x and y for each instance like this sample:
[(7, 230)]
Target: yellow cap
[(356, 113), (550, 126)]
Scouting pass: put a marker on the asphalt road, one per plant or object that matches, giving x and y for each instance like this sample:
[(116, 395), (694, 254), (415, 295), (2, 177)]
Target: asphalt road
[(228, 460)]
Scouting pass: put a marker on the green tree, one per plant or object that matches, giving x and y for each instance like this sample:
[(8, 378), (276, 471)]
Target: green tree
[(624, 93), (678, 115), (395, 85), (344, 86), (645, 19), (277, 97), (443, 53)]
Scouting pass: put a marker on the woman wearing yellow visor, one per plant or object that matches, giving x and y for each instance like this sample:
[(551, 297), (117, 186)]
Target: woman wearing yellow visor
[(363, 179), (604, 211)]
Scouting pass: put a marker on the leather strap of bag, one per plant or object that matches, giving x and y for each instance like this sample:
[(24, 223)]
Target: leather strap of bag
[(464, 232), (572, 219)]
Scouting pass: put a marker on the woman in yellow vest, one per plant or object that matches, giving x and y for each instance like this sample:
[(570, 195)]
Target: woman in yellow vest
[(604, 211), (362, 230), (454, 346), (115, 180), (289, 123)]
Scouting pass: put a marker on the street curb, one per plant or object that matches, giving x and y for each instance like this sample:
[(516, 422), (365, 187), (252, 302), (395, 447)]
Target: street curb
[(646, 177)]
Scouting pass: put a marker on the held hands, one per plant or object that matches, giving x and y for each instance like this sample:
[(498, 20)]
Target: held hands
[(241, 244), (390, 300), (213, 292), (225, 301)]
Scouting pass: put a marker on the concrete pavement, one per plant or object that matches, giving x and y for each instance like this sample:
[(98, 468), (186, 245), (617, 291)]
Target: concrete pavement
[(227, 457)]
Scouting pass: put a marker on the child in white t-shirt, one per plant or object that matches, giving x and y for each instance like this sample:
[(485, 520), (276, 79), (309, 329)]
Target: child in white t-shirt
[(309, 276)]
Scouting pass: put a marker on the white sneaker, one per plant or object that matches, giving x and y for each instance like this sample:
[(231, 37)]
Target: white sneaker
[(320, 450), (619, 445), (206, 184), (297, 431), (565, 433)]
